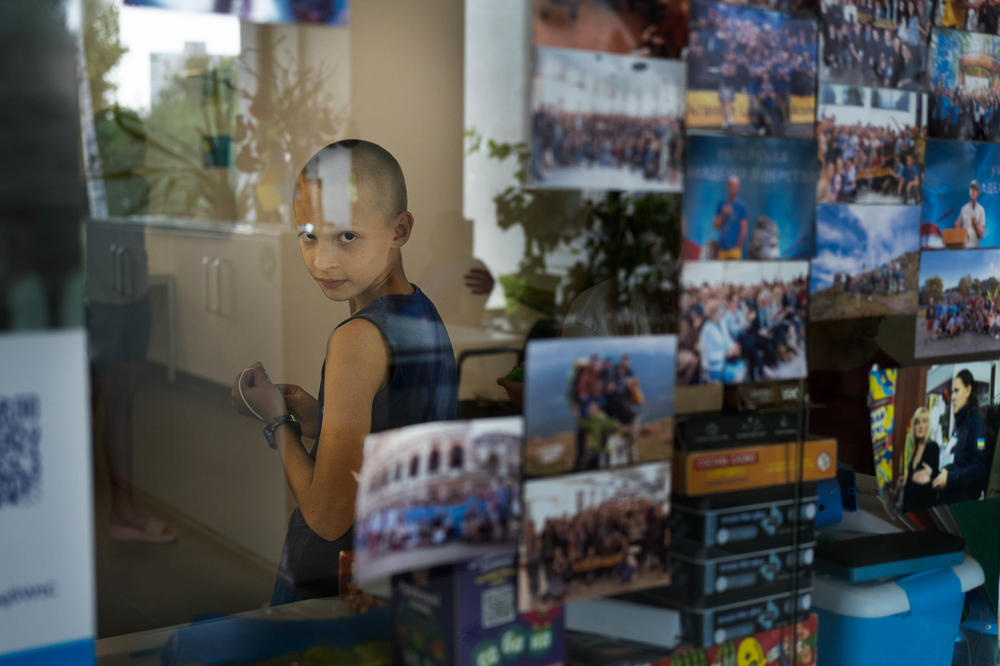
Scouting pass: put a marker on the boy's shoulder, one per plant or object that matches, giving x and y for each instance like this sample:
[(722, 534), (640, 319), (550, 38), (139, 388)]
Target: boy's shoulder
[(356, 342)]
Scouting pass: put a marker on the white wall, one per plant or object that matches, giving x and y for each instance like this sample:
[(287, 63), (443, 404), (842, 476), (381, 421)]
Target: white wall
[(496, 87)]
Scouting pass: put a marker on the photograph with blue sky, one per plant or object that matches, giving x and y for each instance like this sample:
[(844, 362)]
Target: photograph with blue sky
[(961, 82), (951, 168), (957, 311), (768, 183), (594, 403), (866, 262)]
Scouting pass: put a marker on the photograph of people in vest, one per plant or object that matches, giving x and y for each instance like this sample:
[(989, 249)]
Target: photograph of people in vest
[(594, 534), (875, 42), (959, 303), (871, 146), (947, 418), (604, 121), (388, 365), (437, 493), (866, 262), (747, 198), (742, 321), (655, 28), (963, 100), (596, 403), (751, 71)]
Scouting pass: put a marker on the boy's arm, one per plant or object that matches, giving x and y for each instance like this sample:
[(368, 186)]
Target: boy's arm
[(357, 365)]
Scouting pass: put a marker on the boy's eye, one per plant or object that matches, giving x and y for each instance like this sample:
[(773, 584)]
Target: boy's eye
[(347, 237), (306, 231)]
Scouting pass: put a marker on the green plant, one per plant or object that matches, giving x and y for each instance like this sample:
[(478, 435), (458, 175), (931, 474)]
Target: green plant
[(631, 243), (627, 243), (548, 218)]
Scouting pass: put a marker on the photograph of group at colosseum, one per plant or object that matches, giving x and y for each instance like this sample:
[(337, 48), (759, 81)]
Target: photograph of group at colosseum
[(437, 493)]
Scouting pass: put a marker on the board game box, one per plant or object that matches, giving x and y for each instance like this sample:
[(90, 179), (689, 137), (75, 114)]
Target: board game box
[(466, 615)]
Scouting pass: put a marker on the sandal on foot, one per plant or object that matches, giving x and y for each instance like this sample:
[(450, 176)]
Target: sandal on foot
[(154, 531)]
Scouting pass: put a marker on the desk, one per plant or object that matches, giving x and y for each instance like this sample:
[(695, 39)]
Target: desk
[(481, 368)]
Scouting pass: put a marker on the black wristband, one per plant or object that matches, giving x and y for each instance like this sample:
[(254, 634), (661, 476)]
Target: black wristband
[(279, 421)]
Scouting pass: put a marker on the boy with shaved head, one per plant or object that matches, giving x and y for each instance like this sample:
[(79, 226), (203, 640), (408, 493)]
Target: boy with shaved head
[(388, 365)]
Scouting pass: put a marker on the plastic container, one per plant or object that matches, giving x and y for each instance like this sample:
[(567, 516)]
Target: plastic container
[(910, 620)]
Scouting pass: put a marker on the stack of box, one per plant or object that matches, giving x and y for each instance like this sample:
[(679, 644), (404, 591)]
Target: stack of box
[(742, 524)]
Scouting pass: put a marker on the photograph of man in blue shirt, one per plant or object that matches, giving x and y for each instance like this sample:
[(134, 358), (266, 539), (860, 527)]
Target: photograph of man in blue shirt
[(731, 222)]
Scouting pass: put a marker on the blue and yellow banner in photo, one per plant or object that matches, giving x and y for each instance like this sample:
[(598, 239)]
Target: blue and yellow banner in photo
[(881, 398)]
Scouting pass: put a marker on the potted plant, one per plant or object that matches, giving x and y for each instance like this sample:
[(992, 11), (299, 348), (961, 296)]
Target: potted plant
[(628, 244)]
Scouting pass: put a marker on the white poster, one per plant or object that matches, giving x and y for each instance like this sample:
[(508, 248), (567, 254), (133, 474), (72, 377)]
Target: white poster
[(47, 599)]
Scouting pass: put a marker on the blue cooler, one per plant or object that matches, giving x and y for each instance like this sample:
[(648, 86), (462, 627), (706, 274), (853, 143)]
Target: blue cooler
[(909, 620)]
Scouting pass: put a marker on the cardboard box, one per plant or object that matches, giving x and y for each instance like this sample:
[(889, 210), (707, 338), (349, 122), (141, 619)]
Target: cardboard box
[(466, 615), (755, 466)]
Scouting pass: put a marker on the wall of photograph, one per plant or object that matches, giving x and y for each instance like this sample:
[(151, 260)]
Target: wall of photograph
[(834, 161)]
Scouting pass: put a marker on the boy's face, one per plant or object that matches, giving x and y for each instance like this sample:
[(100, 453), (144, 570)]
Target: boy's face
[(347, 257)]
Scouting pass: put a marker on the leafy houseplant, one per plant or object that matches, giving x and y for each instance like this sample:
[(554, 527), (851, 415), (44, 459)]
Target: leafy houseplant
[(548, 219), (627, 244)]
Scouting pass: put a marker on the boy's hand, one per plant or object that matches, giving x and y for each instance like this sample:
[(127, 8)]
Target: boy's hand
[(479, 281), (264, 397), (303, 406), (235, 401)]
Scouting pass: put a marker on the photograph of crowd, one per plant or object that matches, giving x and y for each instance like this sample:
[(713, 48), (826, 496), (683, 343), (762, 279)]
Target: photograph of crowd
[(871, 147), (749, 198), (751, 71), (878, 43), (959, 303), (595, 403), (742, 321), (964, 88), (961, 192), (437, 493), (603, 121), (969, 15), (594, 534), (946, 420), (866, 262), (653, 28)]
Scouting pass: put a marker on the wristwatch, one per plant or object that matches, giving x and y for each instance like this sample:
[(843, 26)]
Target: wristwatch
[(277, 423)]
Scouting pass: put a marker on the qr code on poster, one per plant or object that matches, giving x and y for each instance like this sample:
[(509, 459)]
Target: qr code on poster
[(498, 606), (20, 460)]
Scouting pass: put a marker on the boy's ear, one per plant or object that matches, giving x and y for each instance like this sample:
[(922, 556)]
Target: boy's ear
[(402, 227)]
